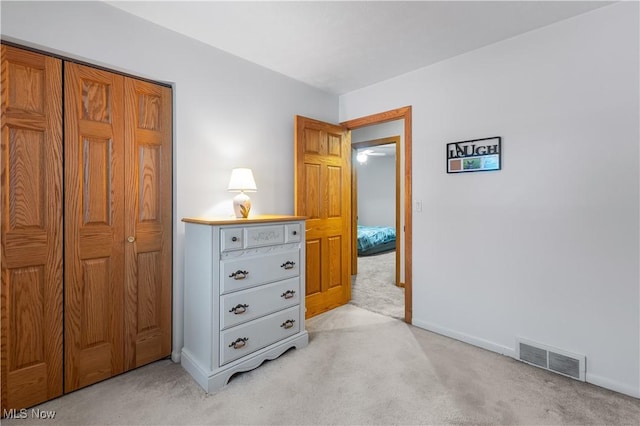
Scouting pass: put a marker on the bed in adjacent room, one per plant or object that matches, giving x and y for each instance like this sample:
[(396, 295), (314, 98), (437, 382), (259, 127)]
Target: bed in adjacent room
[(375, 239)]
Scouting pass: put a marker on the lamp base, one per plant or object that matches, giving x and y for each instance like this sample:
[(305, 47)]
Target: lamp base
[(241, 205)]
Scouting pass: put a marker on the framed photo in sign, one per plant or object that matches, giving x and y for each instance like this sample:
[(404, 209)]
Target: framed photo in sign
[(477, 155)]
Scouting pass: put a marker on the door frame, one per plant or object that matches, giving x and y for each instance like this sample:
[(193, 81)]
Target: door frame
[(395, 140), (403, 113)]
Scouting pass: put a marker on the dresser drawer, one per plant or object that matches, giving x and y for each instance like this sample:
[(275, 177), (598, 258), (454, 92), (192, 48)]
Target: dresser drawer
[(257, 236), (231, 239), (249, 271), (260, 236), (246, 338), (246, 305), (293, 232)]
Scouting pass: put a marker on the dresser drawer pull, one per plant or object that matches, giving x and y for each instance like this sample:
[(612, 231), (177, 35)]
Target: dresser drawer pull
[(239, 275), (239, 309), (288, 264), (239, 343), (287, 324), (288, 294), (234, 239)]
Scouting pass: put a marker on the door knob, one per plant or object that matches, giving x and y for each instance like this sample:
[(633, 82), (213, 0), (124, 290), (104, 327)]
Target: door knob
[(131, 238)]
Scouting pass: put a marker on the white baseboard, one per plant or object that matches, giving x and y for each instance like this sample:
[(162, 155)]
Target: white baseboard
[(481, 343), (494, 347), (613, 385)]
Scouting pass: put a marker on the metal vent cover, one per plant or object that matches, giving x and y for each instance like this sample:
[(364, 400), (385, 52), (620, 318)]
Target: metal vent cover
[(533, 355), (552, 359), (564, 365)]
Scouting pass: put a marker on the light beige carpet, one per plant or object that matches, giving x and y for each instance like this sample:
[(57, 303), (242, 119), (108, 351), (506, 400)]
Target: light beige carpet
[(374, 287), (360, 368)]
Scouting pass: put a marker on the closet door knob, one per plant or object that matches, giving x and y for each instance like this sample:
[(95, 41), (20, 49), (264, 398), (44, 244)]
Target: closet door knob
[(131, 238)]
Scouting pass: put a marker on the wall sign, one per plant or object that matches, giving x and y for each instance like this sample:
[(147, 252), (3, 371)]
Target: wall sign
[(477, 155)]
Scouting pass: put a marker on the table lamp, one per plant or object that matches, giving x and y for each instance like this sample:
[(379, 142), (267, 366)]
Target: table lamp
[(242, 181)]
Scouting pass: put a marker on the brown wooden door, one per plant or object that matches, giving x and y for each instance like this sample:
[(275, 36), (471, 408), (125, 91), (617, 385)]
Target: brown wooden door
[(118, 224), (147, 222), (31, 228), (323, 195), (94, 225)]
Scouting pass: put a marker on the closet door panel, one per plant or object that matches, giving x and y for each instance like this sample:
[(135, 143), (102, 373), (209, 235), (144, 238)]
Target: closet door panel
[(94, 226), (31, 228), (148, 201)]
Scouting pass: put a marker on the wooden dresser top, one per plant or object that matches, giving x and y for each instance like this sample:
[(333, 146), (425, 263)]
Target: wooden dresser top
[(263, 218)]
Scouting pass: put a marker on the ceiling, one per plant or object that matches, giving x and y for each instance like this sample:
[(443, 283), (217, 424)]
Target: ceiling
[(342, 46)]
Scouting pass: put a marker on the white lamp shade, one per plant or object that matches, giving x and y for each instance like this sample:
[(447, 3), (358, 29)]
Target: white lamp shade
[(242, 180)]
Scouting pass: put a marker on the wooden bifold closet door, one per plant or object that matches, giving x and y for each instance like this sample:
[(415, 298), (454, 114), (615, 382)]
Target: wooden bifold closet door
[(117, 224), (31, 199), (106, 201)]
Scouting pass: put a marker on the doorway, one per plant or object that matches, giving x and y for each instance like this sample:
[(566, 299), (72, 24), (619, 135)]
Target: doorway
[(376, 203), (375, 281), (322, 193), (404, 236)]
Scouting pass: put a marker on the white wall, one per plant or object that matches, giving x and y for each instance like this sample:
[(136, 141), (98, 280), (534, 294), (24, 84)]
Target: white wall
[(376, 180), (227, 112), (547, 248), (377, 191)]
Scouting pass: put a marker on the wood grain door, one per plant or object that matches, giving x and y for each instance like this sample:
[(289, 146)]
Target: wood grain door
[(323, 195), (31, 228), (94, 225), (147, 222)]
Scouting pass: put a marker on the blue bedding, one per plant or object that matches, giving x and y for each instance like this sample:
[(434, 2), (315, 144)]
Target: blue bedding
[(375, 238)]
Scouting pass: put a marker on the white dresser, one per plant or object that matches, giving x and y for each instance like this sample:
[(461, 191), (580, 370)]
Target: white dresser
[(243, 295)]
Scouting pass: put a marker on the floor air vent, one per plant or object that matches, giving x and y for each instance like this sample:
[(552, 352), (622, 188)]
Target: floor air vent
[(552, 359)]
